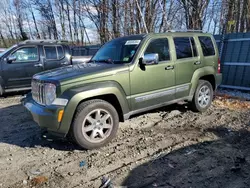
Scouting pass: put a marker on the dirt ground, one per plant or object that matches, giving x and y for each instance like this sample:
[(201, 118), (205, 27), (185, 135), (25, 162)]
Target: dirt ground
[(169, 147)]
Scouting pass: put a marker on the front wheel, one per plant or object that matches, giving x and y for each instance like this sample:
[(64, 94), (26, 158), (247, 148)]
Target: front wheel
[(203, 96), (96, 123)]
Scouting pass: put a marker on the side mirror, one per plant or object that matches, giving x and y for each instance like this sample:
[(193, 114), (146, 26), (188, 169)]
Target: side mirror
[(11, 59), (150, 59)]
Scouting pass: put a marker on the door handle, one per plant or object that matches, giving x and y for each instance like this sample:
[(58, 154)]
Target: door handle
[(169, 67), (38, 65), (197, 63)]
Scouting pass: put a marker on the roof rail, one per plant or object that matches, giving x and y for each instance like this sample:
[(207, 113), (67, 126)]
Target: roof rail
[(187, 30), (44, 41)]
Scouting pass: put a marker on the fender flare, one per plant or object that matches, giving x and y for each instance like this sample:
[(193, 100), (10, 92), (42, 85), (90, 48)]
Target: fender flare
[(88, 91), (204, 71)]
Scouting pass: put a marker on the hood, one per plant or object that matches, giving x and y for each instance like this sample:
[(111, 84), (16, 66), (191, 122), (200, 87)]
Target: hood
[(75, 71)]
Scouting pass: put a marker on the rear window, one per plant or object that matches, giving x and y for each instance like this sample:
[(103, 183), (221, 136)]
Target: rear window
[(54, 52), (207, 46), (183, 47)]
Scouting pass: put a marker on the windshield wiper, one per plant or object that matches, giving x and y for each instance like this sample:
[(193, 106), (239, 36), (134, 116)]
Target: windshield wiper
[(103, 60), (92, 61)]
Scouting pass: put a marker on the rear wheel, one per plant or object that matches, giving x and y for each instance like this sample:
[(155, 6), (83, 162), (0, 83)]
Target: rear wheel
[(203, 96), (95, 124), (1, 90)]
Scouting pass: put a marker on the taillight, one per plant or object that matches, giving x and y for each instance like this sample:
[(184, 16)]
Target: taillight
[(219, 65)]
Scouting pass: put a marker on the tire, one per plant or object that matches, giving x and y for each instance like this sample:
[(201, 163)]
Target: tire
[(95, 124), (1, 90), (203, 96)]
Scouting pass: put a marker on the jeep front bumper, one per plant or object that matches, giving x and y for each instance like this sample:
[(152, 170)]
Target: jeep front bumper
[(45, 116)]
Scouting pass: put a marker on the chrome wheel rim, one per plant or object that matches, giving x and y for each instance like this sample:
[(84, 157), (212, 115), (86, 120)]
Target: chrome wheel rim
[(97, 125), (204, 96)]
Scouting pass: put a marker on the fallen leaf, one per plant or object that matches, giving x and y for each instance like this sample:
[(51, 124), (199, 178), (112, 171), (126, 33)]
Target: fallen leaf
[(39, 180)]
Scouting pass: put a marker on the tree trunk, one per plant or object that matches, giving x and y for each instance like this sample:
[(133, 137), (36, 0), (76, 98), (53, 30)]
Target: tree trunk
[(114, 18), (69, 21), (53, 22), (163, 20), (75, 23), (243, 16), (238, 16), (62, 18), (30, 30), (34, 20), (4, 42)]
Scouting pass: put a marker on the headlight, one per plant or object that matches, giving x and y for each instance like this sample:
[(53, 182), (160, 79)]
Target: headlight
[(49, 93)]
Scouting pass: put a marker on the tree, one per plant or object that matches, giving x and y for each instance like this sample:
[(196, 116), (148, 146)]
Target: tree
[(20, 16), (194, 13)]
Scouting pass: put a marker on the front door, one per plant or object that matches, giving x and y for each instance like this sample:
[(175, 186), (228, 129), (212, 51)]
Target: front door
[(19, 72), (153, 84)]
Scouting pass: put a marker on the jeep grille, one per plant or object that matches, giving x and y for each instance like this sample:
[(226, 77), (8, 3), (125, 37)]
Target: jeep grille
[(38, 92)]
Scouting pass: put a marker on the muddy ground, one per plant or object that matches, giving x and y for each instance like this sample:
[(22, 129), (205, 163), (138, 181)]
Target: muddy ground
[(169, 147)]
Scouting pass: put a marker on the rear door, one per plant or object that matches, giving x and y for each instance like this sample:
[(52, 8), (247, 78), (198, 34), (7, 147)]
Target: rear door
[(19, 73), (187, 61), (54, 57)]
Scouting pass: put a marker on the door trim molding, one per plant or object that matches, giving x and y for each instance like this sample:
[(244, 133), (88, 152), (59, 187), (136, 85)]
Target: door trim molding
[(176, 89), (127, 116)]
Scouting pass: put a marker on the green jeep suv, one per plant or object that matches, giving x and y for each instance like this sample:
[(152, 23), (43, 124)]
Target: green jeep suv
[(127, 76)]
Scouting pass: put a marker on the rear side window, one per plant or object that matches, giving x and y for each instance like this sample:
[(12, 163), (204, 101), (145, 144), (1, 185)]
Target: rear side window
[(159, 46), (183, 47), (60, 52), (54, 52), (207, 46)]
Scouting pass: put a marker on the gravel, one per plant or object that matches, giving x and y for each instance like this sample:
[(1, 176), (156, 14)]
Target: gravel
[(168, 147), (235, 93)]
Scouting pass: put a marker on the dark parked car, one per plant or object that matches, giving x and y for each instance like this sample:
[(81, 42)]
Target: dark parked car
[(20, 62), (82, 54)]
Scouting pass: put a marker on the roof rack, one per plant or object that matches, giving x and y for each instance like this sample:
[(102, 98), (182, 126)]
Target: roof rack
[(187, 30), (44, 41)]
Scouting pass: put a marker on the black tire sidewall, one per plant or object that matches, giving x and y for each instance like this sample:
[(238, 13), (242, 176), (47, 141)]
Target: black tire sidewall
[(1, 90), (196, 105), (77, 125)]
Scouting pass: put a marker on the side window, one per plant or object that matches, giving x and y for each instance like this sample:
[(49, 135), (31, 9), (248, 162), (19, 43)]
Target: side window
[(183, 47), (60, 52), (25, 54), (50, 52), (207, 46), (193, 47), (159, 46)]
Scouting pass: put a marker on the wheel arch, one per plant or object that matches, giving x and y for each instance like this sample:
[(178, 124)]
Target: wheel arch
[(205, 73), (109, 91)]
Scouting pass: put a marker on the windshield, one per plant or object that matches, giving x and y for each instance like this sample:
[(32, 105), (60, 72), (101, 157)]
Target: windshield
[(121, 50)]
